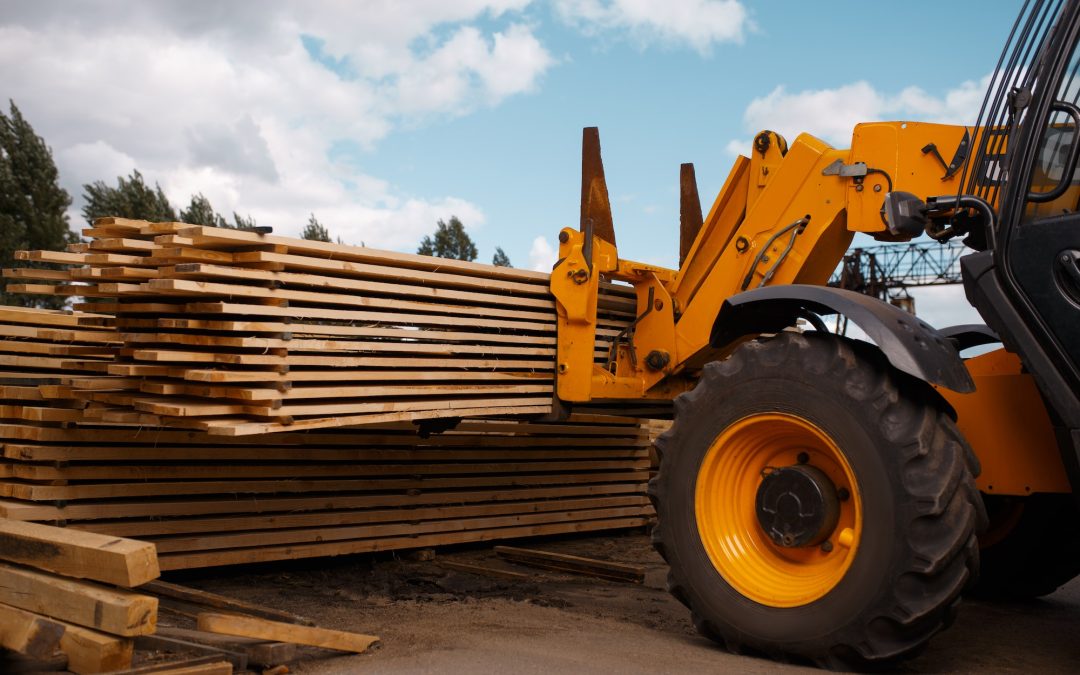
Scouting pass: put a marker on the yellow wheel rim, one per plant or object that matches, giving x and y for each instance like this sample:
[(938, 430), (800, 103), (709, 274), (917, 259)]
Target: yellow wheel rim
[(724, 503)]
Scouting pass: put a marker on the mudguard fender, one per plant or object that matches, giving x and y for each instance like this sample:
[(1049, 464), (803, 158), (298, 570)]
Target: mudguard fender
[(911, 345)]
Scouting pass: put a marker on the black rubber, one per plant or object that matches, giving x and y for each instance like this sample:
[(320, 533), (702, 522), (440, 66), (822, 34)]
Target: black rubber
[(915, 473), (1038, 551)]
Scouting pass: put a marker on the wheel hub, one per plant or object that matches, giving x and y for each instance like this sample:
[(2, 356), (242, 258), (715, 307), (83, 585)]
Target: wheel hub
[(797, 506)]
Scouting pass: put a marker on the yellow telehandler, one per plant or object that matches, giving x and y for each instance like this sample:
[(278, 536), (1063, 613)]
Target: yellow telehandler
[(819, 497)]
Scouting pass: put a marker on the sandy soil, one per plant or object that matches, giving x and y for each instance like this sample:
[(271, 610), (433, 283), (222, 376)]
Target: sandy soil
[(435, 620)]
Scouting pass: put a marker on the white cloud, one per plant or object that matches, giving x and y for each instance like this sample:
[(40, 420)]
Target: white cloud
[(541, 255), (227, 100), (698, 23), (831, 114)]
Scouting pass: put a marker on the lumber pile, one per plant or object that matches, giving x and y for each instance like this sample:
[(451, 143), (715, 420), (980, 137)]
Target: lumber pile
[(238, 333), (206, 500), (233, 397), (59, 592)]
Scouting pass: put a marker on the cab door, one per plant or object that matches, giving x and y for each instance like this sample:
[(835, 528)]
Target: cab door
[(1040, 249)]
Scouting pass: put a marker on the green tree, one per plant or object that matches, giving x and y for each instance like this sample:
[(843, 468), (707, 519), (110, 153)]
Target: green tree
[(131, 198), (200, 212), (500, 259), (315, 231), (33, 206), (242, 223), (450, 241)]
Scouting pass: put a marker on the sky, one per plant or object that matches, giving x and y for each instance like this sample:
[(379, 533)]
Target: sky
[(381, 117)]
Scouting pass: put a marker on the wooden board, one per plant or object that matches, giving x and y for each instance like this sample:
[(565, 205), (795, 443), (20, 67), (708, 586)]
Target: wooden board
[(253, 627), (78, 602), (84, 555), (28, 633)]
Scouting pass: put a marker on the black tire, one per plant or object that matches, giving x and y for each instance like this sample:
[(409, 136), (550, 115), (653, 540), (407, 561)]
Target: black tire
[(915, 476), (1032, 547)]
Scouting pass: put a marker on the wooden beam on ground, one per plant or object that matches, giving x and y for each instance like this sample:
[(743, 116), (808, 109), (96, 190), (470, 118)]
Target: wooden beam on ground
[(248, 626), (258, 652), (89, 651), (573, 564), (84, 555), (238, 659), (202, 665), (79, 602), (482, 571), (213, 600), (28, 633)]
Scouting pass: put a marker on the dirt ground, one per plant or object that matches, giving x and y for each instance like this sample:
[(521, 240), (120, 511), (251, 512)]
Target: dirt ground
[(435, 620)]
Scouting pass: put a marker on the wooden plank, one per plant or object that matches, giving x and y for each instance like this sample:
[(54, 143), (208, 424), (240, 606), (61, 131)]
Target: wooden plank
[(571, 563), (205, 271), (215, 601), (211, 237), (359, 316), (377, 449), (482, 570), (112, 490), (238, 659), (404, 513), (227, 428), (89, 651), (243, 472), (202, 665), (230, 540), (84, 555), (325, 329), (257, 651), (301, 502), (156, 287), (28, 633), (253, 627), (298, 551), (79, 602), (410, 344)]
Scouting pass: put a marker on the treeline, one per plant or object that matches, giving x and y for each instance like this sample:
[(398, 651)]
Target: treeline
[(34, 208)]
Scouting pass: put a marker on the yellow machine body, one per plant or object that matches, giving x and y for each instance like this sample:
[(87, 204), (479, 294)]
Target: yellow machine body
[(742, 244), (786, 215), (1007, 425)]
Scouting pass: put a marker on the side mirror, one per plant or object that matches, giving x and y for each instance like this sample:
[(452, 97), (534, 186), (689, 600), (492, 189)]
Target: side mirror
[(905, 214)]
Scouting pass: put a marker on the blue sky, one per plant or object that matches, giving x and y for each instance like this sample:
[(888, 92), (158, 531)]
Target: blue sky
[(383, 117)]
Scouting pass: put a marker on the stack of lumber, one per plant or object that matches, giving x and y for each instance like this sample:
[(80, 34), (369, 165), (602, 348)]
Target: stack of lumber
[(237, 332), (208, 500), (68, 591), (42, 349), (213, 500)]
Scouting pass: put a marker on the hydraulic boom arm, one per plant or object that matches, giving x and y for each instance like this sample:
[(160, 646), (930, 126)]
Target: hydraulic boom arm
[(784, 216)]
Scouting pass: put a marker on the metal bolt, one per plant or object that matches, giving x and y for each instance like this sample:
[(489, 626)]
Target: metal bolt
[(858, 188), (564, 237), (877, 188), (658, 305), (826, 546), (803, 458), (843, 495)]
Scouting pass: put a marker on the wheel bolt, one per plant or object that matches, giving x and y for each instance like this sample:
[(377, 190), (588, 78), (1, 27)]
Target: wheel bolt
[(803, 458), (843, 495), (826, 546)]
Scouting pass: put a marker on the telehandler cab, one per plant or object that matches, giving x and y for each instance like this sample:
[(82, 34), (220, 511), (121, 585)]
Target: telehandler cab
[(820, 497)]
